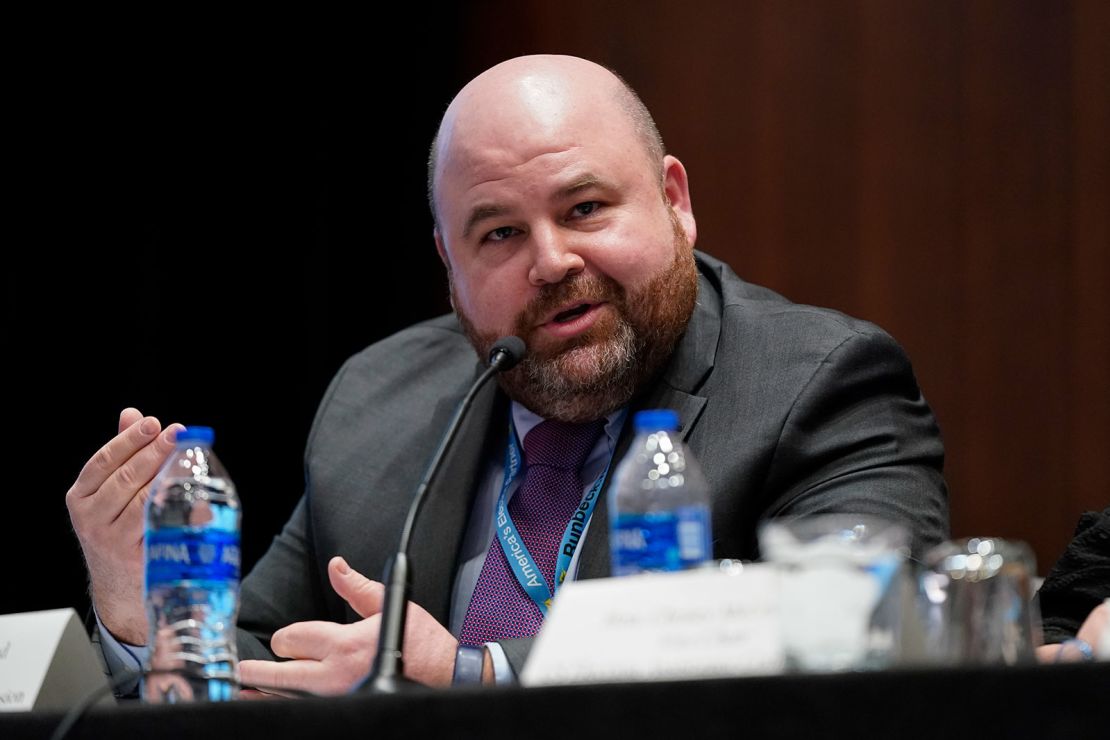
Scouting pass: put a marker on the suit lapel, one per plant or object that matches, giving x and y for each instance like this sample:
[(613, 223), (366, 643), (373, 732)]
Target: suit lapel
[(676, 389), (595, 549), (442, 523)]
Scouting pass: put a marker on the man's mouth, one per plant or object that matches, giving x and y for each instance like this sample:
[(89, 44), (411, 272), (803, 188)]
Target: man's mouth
[(571, 319), (571, 313)]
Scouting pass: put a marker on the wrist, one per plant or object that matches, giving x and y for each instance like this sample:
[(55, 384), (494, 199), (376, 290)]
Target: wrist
[(1082, 649), (471, 666), (132, 632), (488, 675)]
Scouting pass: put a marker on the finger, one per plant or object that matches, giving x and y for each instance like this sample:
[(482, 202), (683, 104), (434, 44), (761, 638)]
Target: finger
[(290, 678), (128, 486), (133, 512), (111, 456), (364, 596), (257, 695), (127, 417), (306, 640)]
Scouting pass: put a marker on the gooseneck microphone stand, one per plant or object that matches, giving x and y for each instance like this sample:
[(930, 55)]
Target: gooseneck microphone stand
[(387, 673)]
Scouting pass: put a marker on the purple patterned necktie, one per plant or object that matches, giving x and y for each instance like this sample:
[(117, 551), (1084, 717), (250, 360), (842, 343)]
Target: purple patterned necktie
[(541, 508)]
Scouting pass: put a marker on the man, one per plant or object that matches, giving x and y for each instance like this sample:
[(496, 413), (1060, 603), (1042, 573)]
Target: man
[(560, 220)]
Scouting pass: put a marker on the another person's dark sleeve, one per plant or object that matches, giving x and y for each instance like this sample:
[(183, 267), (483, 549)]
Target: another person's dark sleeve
[(1079, 581)]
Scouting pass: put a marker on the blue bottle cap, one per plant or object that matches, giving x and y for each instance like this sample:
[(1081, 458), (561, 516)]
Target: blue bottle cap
[(655, 420), (204, 435)]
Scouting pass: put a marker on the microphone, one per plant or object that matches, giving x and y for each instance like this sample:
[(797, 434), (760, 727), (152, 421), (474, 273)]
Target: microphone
[(506, 353), (387, 672)]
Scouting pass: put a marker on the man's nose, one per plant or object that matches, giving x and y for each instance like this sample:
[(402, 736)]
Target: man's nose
[(554, 256)]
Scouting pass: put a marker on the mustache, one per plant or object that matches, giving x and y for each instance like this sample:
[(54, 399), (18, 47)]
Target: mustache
[(595, 288)]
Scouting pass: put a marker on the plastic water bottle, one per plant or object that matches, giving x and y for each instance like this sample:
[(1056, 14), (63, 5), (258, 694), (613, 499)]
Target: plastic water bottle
[(659, 502), (192, 576)]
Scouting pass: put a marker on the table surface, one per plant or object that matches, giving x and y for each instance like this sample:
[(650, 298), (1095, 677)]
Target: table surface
[(1066, 701)]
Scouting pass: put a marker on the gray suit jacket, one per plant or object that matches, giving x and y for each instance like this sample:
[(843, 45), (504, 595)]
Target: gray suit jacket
[(790, 409)]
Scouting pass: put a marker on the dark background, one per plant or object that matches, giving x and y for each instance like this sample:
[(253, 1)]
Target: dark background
[(214, 226), (940, 168)]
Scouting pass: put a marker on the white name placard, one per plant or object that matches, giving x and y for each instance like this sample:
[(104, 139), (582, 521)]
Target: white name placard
[(693, 624), (46, 661)]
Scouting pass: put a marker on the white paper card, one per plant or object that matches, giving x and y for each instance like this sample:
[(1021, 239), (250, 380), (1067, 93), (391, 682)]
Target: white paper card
[(46, 661), (693, 624), (27, 644)]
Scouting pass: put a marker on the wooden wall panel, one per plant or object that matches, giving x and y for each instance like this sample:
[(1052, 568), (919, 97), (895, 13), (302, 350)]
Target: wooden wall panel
[(1087, 341), (1014, 197), (939, 168)]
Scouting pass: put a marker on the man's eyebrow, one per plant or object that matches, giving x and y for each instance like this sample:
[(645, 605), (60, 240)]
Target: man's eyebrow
[(585, 182), (481, 213)]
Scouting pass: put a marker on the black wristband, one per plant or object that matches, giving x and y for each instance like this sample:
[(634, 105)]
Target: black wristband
[(469, 661)]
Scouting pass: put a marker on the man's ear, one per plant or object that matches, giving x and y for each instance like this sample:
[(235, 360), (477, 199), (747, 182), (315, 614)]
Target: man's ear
[(676, 189), (442, 250)]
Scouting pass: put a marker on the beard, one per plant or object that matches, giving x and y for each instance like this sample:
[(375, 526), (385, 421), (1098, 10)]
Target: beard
[(599, 371)]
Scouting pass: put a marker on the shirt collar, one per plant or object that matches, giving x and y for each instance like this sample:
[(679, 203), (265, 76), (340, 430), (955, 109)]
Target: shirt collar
[(525, 420)]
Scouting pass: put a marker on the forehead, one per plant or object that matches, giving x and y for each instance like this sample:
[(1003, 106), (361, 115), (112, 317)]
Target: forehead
[(507, 146), (527, 112)]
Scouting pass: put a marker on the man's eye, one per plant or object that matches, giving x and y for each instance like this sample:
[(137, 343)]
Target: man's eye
[(501, 234), (585, 209)]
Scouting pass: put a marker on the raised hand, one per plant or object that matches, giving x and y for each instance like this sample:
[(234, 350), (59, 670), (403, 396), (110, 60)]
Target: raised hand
[(106, 508)]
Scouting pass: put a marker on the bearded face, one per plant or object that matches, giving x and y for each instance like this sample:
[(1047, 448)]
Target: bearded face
[(600, 370)]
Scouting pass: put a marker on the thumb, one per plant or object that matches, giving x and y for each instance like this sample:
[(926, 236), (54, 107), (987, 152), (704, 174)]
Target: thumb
[(364, 596)]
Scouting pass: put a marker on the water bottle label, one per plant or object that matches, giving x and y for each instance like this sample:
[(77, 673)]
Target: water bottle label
[(660, 541), (186, 554)]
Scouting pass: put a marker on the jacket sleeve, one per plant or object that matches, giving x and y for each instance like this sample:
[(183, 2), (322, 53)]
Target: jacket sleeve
[(283, 588), (287, 584), (1079, 581), (860, 438)]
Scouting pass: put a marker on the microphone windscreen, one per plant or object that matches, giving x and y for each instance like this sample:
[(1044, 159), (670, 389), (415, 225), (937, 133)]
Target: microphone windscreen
[(507, 352)]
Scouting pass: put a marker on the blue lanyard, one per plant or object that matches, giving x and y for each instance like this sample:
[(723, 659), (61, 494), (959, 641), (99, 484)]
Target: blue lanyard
[(520, 560)]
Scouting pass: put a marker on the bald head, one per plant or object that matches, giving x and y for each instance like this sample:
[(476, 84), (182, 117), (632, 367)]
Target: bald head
[(538, 97)]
